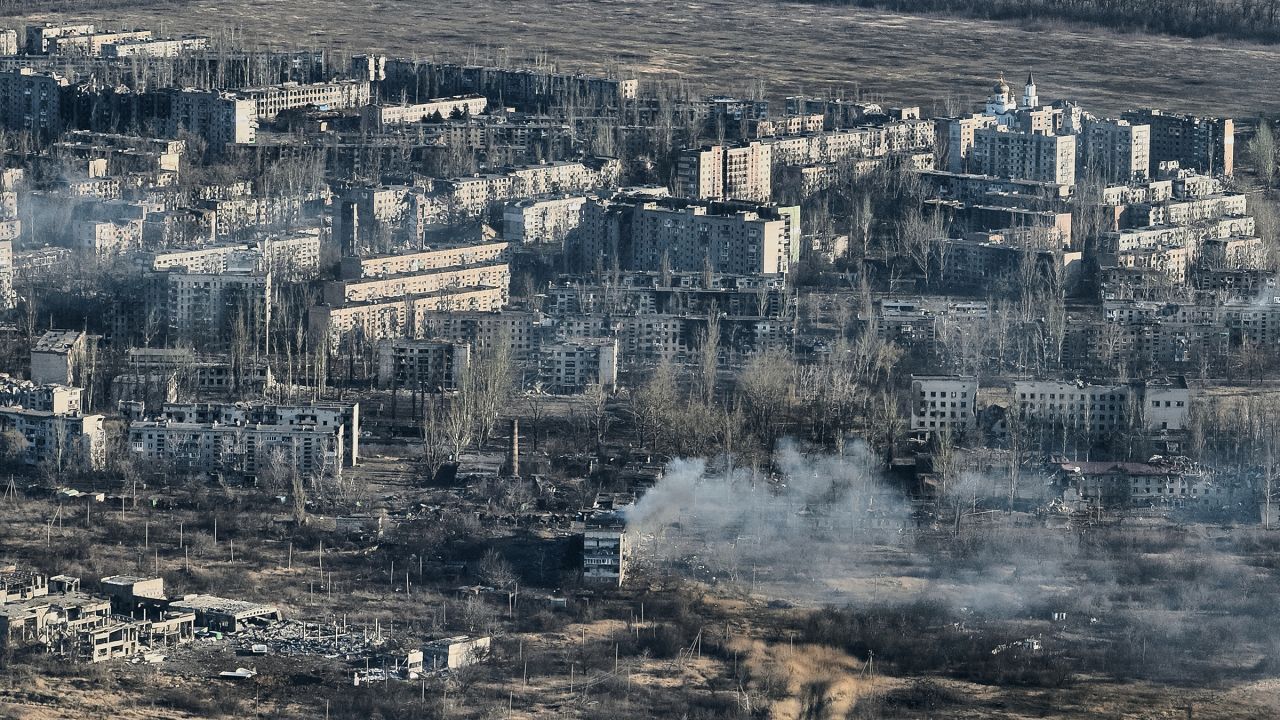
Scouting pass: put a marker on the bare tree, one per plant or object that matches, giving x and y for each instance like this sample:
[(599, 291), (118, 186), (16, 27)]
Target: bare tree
[(709, 355), (435, 436), (496, 571), (766, 386), (654, 404), (1262, 150)]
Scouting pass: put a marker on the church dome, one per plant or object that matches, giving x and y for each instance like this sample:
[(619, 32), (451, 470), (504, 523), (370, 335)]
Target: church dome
[(1000, 88)]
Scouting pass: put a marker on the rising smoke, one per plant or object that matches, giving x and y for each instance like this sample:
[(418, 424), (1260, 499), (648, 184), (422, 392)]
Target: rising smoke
[(833, 529), (804, 523)]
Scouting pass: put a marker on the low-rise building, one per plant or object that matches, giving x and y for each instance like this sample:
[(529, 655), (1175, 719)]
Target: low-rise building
[(337, 95), (454, 653), (224, 615), (1162, 483), (1152, 406), (378, 117)]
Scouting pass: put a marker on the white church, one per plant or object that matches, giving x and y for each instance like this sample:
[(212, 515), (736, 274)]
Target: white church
[(1002, 106)]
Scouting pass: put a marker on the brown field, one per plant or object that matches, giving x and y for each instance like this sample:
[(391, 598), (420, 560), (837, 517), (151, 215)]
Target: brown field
[(726, 46)]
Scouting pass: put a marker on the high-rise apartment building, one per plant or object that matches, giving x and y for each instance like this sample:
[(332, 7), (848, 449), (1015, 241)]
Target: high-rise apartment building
[(647, 234), (1029, 156), (723, 172), (1115, 151), (31, 100), (1203, 144)]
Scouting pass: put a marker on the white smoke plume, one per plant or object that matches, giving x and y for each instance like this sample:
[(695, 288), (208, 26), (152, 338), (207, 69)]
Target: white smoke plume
[(799, 528)]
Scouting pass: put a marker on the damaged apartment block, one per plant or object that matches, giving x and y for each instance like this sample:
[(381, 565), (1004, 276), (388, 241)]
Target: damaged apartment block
[(605, 546), (130, 616)]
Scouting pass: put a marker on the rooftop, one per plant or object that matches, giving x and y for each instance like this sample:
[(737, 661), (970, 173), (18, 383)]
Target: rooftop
[(213, 603), (58, 341)]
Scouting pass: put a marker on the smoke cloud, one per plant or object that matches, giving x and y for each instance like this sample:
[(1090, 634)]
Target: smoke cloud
[(832, 529), (802, 527)]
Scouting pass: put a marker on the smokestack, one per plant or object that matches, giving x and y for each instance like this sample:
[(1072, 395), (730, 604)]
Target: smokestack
[(513, 453)]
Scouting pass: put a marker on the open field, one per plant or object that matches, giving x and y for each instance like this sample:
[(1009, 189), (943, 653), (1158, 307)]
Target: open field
[(725, 46)]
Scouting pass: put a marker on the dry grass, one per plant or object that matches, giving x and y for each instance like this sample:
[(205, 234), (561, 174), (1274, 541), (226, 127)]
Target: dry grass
[(793, 47)]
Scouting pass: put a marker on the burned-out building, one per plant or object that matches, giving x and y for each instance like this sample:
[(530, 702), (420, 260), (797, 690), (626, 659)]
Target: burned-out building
[(606, 548), (222, 614)]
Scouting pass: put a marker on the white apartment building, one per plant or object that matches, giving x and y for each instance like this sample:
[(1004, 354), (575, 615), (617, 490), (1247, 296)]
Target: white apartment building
[(337, 95), (8, 297), (210, 259), (383, 266), (243, 449), (91, 43), (155, 47), (205, 374), (1104, 410), (417, 283), (1185, 212), (107, 237), (733, 240), (1170, 261), (1115, 150), (380, 116), (50, 397), (471, 196), (955, 138), (340, 418), (1167, 235), (202, 307), (606, 550), (519, 330), (39, 36), (1008, 153), (398, 316), (944, 404), (841, 145), (542, 221), (294, 255), (721, 172)]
